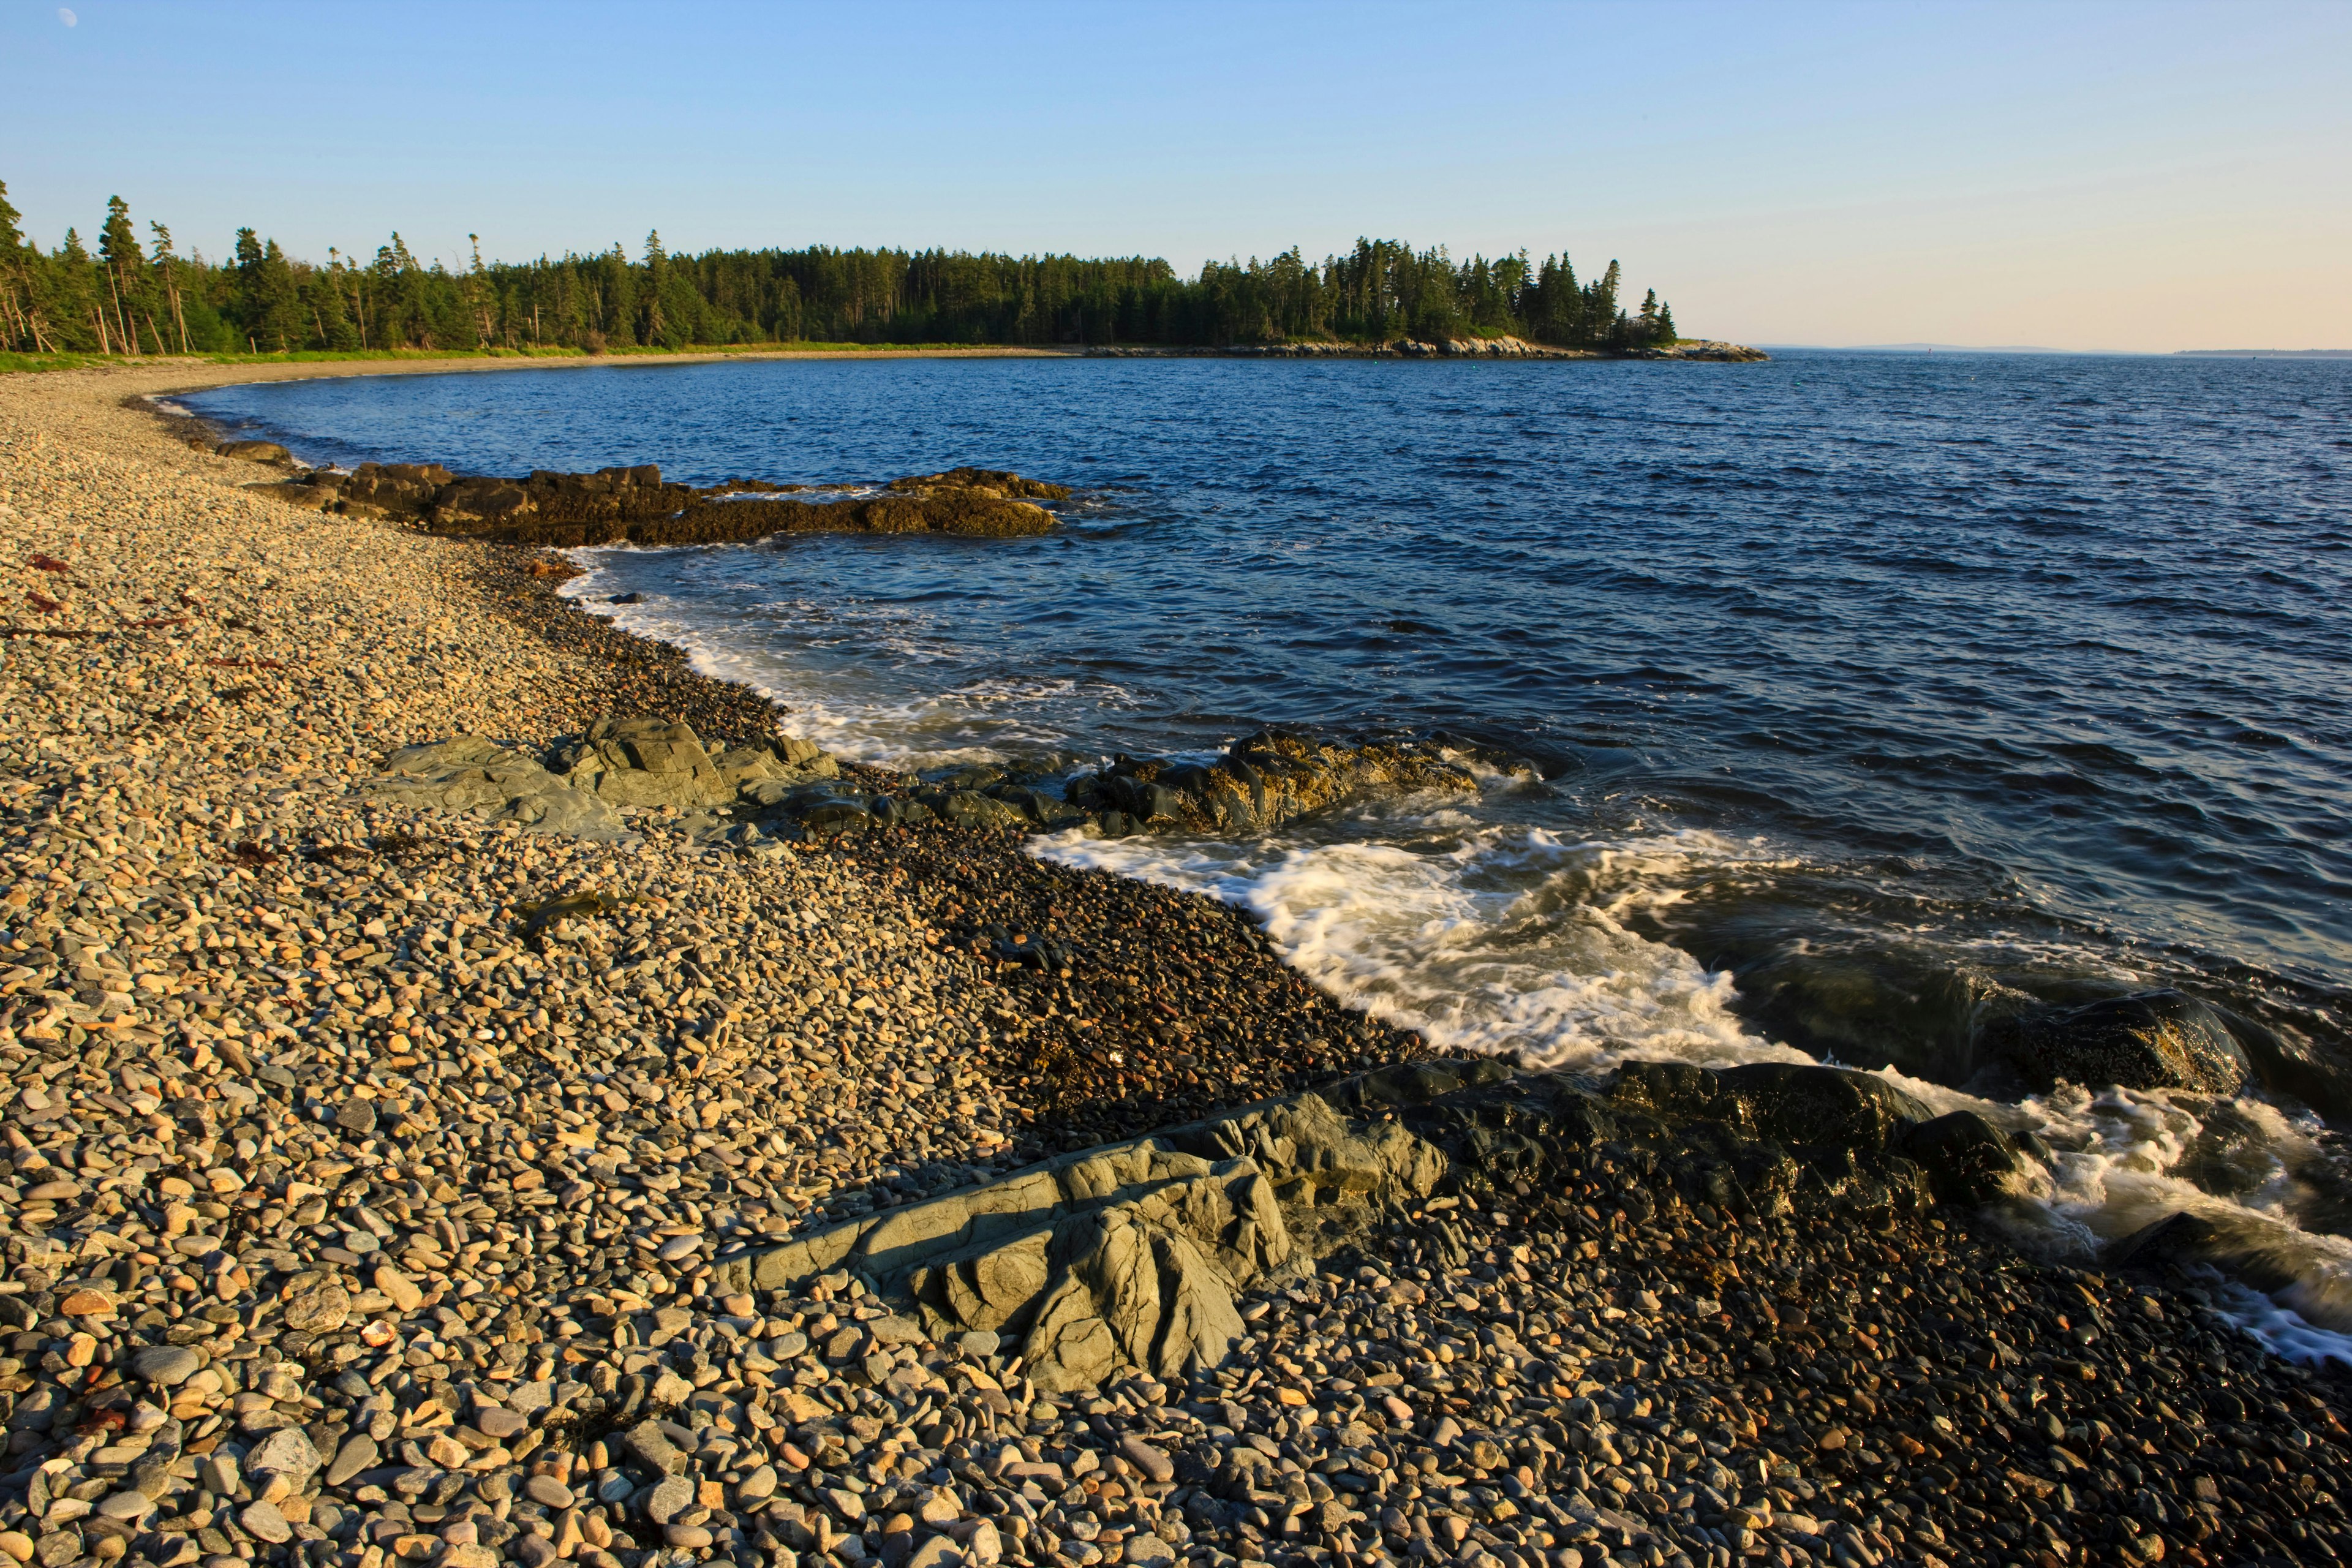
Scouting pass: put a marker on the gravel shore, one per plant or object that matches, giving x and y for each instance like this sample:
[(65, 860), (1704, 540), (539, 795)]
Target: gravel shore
[(354, 1215)]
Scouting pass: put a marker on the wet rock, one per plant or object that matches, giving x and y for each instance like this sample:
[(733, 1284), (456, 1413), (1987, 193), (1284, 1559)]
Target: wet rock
[(2181, 1244), (1791, 1102), (970, 811), (2156, 1039), (1263, 781), (1968, 1159), (1002, 482), (255, 451)]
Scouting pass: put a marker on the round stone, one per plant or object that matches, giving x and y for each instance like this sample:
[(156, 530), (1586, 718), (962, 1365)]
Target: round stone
[(167, 1366), (548, 1491), (495, 1421), (264, 1522)]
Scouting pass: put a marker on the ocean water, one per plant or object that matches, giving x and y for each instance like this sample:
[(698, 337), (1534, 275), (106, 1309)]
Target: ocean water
[(1825, 708)]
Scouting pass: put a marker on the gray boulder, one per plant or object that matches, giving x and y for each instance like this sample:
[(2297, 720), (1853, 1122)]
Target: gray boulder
[(643, 762), (496, 783), (663, 763), (287, 1452)]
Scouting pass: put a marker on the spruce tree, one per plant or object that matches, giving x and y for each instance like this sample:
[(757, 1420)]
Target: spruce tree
[(167, 268), (73, 296), (118, 247), (16, 301)]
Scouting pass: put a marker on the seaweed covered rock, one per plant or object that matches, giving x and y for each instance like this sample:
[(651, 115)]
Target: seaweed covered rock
[(1000, 480), (938, 503), (2153, 1040)]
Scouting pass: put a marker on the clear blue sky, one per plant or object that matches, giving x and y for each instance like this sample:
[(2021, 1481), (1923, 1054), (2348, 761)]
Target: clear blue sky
[(2147, 176)]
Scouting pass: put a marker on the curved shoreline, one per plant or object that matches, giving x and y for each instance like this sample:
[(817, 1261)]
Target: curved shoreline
[(713, 1064)]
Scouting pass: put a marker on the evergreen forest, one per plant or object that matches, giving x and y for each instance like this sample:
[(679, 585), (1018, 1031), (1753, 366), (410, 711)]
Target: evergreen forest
[(137, 294)]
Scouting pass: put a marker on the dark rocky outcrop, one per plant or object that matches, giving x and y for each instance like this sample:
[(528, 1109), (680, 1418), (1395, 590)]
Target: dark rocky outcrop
[(1002, 481), (637, 506), (2154, 1040)]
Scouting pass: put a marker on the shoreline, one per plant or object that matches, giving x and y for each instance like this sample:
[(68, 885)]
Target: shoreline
[(473, 1188)]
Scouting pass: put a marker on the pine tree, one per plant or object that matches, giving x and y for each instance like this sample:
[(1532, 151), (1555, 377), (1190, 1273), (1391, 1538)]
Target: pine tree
[(1667, 333)]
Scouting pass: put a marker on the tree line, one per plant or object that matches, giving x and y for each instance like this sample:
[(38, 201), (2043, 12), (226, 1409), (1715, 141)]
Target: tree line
[(134, 297)]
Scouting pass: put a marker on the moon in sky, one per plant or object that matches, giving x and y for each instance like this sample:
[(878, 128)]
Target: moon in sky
[(68, 17)]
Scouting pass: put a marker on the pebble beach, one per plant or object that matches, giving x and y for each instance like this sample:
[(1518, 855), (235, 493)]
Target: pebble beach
[(362, 1208)]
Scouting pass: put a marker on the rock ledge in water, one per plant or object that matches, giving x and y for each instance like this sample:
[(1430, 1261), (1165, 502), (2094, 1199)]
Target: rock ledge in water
[(2154, 1040), (637, 506)]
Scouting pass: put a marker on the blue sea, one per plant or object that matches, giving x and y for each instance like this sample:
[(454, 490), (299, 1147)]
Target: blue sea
[(1823, 707)]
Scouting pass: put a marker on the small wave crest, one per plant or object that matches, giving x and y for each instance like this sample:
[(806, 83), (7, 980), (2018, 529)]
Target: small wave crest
[(1507, 942)]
